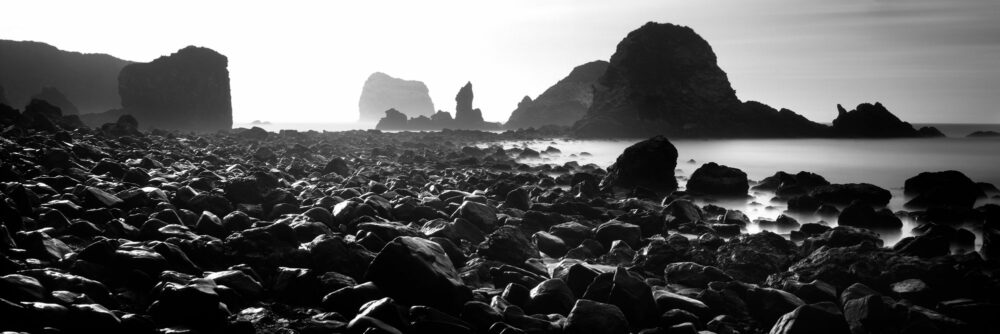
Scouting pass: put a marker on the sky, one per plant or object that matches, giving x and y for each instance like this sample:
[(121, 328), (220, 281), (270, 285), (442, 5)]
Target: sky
[(928, 61)]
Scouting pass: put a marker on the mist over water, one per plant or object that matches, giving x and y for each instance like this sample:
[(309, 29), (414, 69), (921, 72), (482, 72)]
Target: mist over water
[(886, 163)]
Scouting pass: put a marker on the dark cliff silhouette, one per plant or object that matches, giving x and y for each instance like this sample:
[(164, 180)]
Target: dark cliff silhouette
[(187, 90), (382, 92), (90, 81), (875, 121), (562, 104), (665, 79)]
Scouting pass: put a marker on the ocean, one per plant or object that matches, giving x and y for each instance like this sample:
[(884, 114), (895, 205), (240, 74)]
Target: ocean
[(883, 162)]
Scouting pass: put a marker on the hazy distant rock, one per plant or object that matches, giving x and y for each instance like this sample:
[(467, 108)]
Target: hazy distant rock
[(874, 120), (89, 80), (54, 97), (664, 79), (979, 134), (562, 104), (382, 92), (393, 120), (188, 90), (465, 116)]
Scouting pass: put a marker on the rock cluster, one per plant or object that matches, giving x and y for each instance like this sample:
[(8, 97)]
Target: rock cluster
[(875, 121), (382, 92), (114, 230), (562, 104), (466, 118)]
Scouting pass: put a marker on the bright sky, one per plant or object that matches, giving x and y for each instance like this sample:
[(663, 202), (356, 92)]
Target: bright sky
[(306, 61)]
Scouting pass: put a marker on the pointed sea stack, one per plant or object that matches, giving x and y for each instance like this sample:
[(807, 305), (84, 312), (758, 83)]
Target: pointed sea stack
[(382, 92), (562, 104), (465, 116), (188, 90)]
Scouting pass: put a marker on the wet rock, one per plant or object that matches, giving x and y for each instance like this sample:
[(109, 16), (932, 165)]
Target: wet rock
[(481, 215), (408, 261), (860, 214), (751, 258), (616, 230), (812, 318), (718, 180), (694, 275), (591, 317), (509, 245), (844, 194), (649, 163), (549, 244), (551, 296)]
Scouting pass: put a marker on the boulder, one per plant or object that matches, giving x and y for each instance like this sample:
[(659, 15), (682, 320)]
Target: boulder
[(649, 164), (416, 271), (508, 245), (718, 180), (694, 275), (822, 318), (591, 317), (860, 214), (844, 194), (947, 189)]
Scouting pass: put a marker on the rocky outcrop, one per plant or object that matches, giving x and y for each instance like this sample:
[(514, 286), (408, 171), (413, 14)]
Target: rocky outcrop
[(664, 79), (875, 121), (187, 90), (466, 118), (562, 104), (54, 97), (89, 80), (649, 164), (382, 92)]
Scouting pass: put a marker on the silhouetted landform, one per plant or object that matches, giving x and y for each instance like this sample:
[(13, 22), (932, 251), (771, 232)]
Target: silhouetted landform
[(664, 79), (562, 104), (466, 117), (187, 90), (260, 122), (89, 80), (382, 92), (980, 134), (875, 121), (54, 97)]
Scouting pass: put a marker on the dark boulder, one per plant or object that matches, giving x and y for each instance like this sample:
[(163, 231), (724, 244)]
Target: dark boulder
[(844, 194), (822, 318), (508, 245), (948, 189), (860, 214), (714, 179), (418, 272), (649, 164)]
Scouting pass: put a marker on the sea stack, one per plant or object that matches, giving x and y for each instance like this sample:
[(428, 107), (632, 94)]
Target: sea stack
[(664, 79), (465, 116), (382, 92), (875, 121), (187, 90), (562, 104)]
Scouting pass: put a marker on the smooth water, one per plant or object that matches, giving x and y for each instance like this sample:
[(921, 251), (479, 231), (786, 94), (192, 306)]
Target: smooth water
[(883, 162)]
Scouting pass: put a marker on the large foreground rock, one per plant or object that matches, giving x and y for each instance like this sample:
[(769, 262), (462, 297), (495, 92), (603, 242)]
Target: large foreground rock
[(649, 164), (187, 90), (417, 271)]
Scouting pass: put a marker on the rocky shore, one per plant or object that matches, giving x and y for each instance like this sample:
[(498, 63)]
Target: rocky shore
[(113, 230)]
